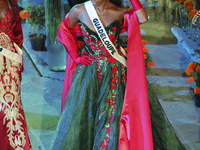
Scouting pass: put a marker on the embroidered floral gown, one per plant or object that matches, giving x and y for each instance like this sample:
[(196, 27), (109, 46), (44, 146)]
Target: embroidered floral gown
[(13, 128), (91, 116)]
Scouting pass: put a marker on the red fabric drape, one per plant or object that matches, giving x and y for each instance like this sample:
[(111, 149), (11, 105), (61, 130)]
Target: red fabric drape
[(135, 125)]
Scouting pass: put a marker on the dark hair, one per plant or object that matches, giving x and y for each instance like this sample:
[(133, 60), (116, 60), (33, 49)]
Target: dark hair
[(74, 2), (117, 2)]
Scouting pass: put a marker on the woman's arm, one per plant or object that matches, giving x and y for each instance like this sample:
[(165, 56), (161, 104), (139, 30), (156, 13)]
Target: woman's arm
[(142, 16), (139, 10), (67, 37), (74, 14)]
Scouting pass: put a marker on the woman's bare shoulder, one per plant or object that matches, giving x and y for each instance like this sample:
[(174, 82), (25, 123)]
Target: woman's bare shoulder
[(77, 9), (3, 7)]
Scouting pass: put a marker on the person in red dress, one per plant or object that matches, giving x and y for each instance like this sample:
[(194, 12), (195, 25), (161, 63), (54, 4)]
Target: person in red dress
[(13, 128)]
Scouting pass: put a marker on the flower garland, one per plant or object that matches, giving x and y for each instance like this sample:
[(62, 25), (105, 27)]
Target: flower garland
[(189, 8), (147, 57), (193, 71)]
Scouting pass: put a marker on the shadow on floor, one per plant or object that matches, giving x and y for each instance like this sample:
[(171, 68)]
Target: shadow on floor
[(160, 40)]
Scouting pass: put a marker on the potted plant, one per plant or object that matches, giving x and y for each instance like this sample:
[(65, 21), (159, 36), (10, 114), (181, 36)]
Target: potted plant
[(35, 17), (193, 71)]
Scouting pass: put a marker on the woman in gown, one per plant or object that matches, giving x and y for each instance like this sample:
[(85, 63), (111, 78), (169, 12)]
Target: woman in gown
[(13, 128), (105, 104)]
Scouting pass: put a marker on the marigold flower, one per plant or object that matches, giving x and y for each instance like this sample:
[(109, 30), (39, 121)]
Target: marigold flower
[(20, 13), (189, 71), (125, 48), (24, 14), (196, 63), (188, 3), (145, 50), (191, 65), (196, 90), (192, 13), (198, 69), (190, 79), (188, 9), (150, 64), (145, 56), (144, 42)]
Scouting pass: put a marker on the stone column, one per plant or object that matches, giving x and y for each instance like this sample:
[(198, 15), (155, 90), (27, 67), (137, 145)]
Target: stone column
[(54, 14)]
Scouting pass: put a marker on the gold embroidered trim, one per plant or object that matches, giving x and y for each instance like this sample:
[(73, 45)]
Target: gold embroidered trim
[(10, 99)]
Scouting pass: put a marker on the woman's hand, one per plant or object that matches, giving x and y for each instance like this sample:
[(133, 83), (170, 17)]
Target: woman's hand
[(83, 60)]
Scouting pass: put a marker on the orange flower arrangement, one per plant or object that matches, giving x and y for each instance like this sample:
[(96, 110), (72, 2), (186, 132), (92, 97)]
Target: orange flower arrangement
[(189, 71), (192, 65), (144, 42), (145, 56), (198, 69), (196, 63), (196, 90), (192, 13), (188, 3), (145, 50), (150, 64), (189, 8), (35, 17), (23, 14), (193, 71), (190, 79)]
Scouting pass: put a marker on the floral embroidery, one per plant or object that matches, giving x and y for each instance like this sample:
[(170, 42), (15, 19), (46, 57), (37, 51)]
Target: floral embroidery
[(112, 38), (10, 99), (111, 103), (95, 48), (114, 28), (124, 73), (5, 22)]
